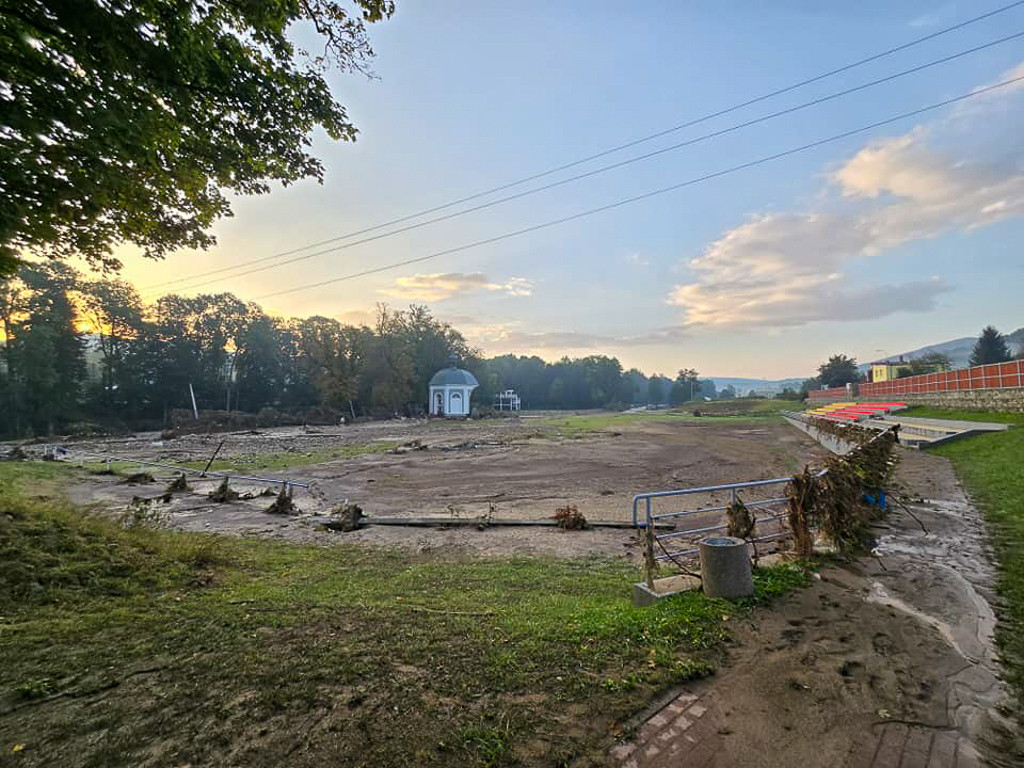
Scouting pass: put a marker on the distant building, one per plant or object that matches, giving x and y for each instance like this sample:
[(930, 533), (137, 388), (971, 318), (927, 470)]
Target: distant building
[(507, 401), (887, 370), (450, 392)]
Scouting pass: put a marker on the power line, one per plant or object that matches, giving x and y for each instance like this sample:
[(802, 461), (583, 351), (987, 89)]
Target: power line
[(613, 166), (646, 195), (612, 150)]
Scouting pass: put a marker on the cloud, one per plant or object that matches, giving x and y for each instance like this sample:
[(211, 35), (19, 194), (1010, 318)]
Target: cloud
[(636, 260), (442, 286), (508, 338), (791, 269)]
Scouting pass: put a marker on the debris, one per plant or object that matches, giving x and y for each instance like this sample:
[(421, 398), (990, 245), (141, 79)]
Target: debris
[(16, 454), (283, 504), (223, 493), (570, 518), (345, 518), (139, 478), (178, 484), (268, 491), (741, 522), (412, 445), (214, 456), (168, 434)]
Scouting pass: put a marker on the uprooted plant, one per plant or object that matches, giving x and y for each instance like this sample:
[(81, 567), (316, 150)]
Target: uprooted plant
[(569, 518), (283, 504), (223, 493), (834, 500), (741, 522), (179, 484), (345, 518)]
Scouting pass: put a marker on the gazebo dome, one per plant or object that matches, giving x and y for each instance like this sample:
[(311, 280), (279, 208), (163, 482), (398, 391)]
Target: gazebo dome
[(453, 377)]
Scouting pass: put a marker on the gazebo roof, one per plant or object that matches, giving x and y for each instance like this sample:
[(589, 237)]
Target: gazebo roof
[(453, 377)]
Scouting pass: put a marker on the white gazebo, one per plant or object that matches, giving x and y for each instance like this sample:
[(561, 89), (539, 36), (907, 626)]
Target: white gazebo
[(450, 391)]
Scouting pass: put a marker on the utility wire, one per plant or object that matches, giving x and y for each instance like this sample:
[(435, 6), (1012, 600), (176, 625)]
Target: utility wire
[(689, 182), (613, 166), (612, 150)]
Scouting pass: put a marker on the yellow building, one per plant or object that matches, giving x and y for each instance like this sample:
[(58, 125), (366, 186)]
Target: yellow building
[(887, 371)]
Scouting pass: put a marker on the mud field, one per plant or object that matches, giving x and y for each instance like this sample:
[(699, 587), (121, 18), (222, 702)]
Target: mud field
[(513, 468)]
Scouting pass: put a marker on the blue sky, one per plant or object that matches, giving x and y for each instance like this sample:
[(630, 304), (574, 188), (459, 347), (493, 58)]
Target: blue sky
[(906, 235)]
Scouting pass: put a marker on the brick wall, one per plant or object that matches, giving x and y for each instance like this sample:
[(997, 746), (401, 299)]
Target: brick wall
[(998, 387)]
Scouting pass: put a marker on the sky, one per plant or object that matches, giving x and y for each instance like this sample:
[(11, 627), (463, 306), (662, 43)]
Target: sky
[(880, 242)]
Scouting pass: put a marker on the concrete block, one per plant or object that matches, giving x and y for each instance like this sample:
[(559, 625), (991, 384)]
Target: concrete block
[(672, 585), (725, 567)]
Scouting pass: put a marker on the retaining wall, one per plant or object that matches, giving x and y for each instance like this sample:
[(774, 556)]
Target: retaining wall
[(998, 387), (1010, 400)]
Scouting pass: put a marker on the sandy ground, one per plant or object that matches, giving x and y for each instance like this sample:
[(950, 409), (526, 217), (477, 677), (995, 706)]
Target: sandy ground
[(517, 468), (879, 661)]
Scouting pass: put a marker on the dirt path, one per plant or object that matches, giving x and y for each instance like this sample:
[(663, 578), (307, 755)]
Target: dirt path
[(888, 661)]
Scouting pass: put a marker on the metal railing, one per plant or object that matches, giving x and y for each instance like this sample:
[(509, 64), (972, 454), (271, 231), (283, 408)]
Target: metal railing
[(654, 539), (734, 490), (60, 452)]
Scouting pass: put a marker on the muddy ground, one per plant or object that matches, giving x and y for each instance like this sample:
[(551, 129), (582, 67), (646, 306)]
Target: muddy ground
[(885, 661), (514, 468)]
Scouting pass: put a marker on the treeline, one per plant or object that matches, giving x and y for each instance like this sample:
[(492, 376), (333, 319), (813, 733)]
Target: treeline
[(80, 353)]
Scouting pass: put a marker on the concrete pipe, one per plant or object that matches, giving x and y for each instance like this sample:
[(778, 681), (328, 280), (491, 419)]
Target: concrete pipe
[(725, 567)]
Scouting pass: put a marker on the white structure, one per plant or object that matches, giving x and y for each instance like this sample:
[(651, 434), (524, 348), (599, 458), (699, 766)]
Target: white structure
[(507, 401), (450, 391)]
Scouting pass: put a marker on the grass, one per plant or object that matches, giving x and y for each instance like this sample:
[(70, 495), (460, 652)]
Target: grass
[(149, 647), (292, 459), (991, 465), (739, 411)]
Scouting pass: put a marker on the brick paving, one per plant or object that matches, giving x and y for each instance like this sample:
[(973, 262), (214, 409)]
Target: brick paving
[(690, 731)]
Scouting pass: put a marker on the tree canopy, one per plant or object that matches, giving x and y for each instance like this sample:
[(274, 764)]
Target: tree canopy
[(838, 371), (78, 352), (128, 121), (991, 347)]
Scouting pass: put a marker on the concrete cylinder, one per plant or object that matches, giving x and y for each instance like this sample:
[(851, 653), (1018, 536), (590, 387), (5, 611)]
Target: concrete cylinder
[(725, 567)]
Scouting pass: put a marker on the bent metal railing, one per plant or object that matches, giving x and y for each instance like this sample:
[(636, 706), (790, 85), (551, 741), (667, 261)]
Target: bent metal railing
[(657, 551), (757, 508)]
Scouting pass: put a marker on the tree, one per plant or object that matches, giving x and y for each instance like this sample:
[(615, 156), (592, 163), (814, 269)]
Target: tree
[(655, 391), (990, 348), (838, 371), (686, 386), (129, 120), (46, 349), (727, 392), (788, 393)]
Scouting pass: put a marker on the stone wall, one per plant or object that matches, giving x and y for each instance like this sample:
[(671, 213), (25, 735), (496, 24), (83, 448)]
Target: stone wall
[(1011, 400)]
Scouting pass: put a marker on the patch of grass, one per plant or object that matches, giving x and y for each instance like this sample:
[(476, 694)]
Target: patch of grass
[(292, 459), (209, 651), (578, 425), (991, 465)]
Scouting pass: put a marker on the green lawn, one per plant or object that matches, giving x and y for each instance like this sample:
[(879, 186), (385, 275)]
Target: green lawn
[(292, 459), (149, 647), (739, 411), (992, 467)]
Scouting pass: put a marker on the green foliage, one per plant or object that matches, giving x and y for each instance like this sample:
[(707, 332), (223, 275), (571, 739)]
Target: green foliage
[(130, 121), (838, 371), (990, 348), (136, 364)]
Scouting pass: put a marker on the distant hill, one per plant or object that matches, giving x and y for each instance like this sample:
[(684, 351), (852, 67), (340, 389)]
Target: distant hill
[(959, 350), (761, 386)]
